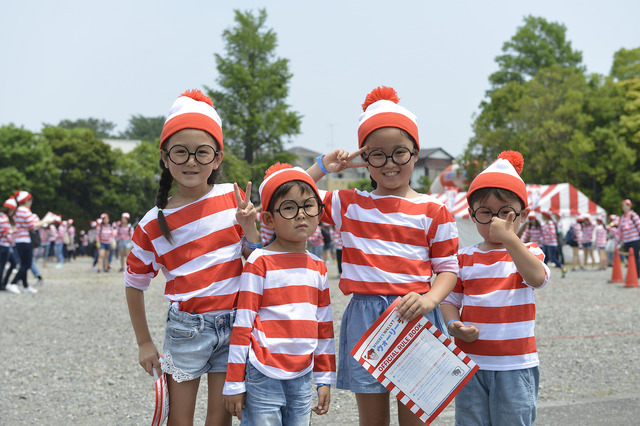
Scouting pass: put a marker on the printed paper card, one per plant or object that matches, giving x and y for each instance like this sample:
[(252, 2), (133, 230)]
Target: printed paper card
[(419, 364)]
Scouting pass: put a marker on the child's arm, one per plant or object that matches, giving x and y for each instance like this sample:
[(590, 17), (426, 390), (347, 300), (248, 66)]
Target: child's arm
[(147, 352), (234, 404), (528, 265), (324, 399), (246, 217), (335, 162), (413, 304), (457, 327)]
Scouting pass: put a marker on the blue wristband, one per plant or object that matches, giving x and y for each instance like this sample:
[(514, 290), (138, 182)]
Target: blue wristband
[(449, 323), (319, 161), (250, 245), (322, 384)]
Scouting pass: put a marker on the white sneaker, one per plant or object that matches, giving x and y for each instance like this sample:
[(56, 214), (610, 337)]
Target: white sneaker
[(29, 290), (39, 283), (12, 288)]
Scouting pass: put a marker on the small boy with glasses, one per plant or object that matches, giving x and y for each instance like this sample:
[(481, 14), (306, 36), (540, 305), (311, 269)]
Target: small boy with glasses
[(495, 291), (283, 333)]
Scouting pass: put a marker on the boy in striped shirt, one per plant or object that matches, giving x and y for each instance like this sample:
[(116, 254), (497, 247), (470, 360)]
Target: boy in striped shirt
[(283, 332), (495, 291)]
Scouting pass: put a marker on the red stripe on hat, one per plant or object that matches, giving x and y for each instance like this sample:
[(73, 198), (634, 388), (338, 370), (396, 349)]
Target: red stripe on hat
[(191, 120), (387, 119)]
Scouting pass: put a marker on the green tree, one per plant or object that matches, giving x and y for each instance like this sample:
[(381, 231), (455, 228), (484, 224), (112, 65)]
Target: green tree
[(626, 64), (144, 128), (86, 166), (252, 100), (26, 165), (100, 128), (135, 180), (537, 44)]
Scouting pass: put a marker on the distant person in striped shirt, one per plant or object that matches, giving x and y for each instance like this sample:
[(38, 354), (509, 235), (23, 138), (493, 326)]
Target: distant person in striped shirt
[(197, 235), (282, 339), (495, 292), (394, 241), (25, 221), (629, 231)]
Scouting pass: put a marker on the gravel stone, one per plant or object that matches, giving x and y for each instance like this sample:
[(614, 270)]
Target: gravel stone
[(69, 357)]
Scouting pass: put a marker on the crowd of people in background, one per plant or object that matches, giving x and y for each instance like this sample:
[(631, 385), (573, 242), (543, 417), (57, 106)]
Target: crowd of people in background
[(27, 241), (592, 239)]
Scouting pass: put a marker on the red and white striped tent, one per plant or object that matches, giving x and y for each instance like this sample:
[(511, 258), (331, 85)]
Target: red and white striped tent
[(562, 199)]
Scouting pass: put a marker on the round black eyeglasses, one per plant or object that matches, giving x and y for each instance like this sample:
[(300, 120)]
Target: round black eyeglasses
[(289, 209), (378, 158), (483, 215), (180, 154)]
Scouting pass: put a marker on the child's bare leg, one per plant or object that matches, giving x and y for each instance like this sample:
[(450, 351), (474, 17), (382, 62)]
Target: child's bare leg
[(373, 409), (406, 416), (217, 414), (182, 401)]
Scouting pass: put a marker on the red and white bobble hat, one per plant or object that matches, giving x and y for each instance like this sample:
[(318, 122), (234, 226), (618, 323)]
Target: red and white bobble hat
[(281, 173), (504, 173), (381, 109), (192, 110), (126, 215), (22, 196), (11, 203)]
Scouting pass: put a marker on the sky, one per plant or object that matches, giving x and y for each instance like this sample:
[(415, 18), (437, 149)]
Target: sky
[(73, 59)]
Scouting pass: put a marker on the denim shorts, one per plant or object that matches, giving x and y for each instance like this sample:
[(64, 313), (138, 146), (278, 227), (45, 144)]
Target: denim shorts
[(276, 402), (195, 344), (363, 310), (499, 398)]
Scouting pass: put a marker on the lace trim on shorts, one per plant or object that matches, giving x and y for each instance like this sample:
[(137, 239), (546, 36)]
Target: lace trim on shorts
[(168, 367)]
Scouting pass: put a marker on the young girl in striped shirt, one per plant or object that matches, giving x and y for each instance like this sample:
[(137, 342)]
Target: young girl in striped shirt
[(495, 291), (394, 239), (283, 334), (197, 238)]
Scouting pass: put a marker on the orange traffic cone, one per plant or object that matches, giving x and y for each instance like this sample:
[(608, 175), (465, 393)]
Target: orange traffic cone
[(616, 271), (632, 272)]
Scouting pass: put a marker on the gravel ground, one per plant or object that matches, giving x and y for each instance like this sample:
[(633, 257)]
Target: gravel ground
[(68, 354)]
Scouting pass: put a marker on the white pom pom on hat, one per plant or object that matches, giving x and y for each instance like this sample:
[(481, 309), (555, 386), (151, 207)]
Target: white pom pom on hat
[(192, 110), (504, 173), (381, 109)]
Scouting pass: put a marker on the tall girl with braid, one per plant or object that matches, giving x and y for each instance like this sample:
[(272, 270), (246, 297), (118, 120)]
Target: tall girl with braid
[(197, 236)]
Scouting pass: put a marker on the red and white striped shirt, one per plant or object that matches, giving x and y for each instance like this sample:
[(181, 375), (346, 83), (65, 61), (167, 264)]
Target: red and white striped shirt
[(204, 263), (629, 227), (105, 234), (44, 235), (5, 230), (496, 300), (549, 234), (532, 234), (283, 325), (601, 236), (62, 229), (25, 221), (391, 245), (316, 238), (124, 232), (587, 233)]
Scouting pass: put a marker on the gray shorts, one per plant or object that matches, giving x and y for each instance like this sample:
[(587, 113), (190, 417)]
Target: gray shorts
[(195, 344), (363, 310)]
